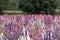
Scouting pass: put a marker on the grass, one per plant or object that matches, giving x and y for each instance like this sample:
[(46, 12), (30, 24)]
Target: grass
[(20, 12), (58, 12)]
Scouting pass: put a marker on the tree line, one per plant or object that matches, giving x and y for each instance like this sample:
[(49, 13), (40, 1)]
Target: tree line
[(38, 6), (32, 6)]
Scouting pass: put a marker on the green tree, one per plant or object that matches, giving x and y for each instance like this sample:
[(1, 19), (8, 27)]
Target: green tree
[(3, 5), (30, 6), (38, 6), (53, 6)]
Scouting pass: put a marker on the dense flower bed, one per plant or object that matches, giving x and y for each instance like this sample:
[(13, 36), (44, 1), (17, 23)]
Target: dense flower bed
[(36, 27)]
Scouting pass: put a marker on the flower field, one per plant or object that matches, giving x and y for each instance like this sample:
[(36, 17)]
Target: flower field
[(30, 27)]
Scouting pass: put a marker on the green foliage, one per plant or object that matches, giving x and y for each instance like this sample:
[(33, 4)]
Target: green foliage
[(53, 6), (8, 5), (4, 4), (38, 6), (13, 5), (58, 3)]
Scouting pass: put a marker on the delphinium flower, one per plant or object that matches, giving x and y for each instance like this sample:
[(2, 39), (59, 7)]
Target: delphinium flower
[(46, 27), (40, 35), (1, 28), (14, 21), (55, 26), (20, 33), (46, 20), (6, 32), (6, 28), (25, 22), (30, 35), (38, 22), (52, 33), (54, 29), (58, 35), (32, 27), (9, 28), (57, 19), (19, 17), (46, 36), (58, 31)]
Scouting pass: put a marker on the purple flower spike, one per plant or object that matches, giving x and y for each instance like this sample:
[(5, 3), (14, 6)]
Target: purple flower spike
[(30, 36)]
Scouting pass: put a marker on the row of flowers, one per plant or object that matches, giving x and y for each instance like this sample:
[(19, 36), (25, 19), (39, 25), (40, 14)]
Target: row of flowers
[(37, 27)]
